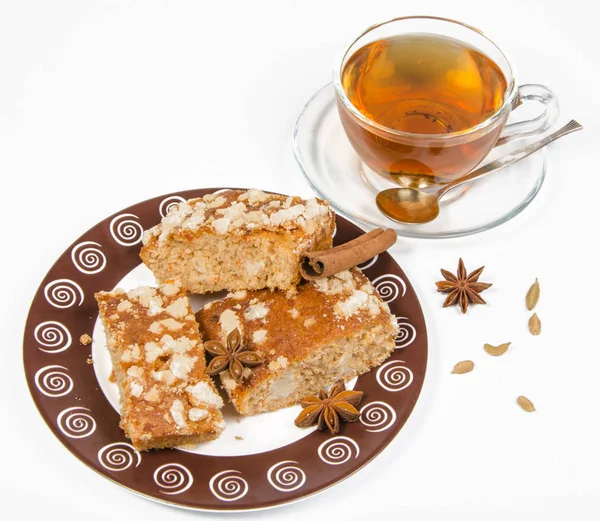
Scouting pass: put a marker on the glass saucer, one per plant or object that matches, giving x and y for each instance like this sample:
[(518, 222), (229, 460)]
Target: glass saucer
[(336, 173)]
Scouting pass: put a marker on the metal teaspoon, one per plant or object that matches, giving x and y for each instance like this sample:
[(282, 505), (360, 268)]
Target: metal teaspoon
[(407, 205)]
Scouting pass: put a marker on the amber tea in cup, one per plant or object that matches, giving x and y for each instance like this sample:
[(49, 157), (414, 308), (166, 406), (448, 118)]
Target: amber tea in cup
[(423, 100)]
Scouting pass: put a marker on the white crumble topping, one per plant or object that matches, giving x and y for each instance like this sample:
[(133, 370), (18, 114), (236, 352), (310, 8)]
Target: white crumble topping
[(233, 212), (177, 413), (288, 214), (238, 295), (177, 214), (218, 201), (182, 345), (314, 209), (259, 336), (196, 414), (156, 305), (135, 351), (171, 324), (153, 351), (280, 363), (203, 394), (196, 219), (170, 289), (136, 389), (294, 312), (165, 376), (229, 321), (357, 301), (309, 322), (155, 327), (124, 305), (152, 395), (336, 284), (143, 294), (179, 308), (249, 210), (221, 226), (135, 371), (210, 197), (256, 311), (257, 196), (181, 365)]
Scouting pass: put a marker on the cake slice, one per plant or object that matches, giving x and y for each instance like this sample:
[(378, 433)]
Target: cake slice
[(237, 239), (158, 361), (332, 329)]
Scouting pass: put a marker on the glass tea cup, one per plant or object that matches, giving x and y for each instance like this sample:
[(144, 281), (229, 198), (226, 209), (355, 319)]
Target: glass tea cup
[(438, 151)]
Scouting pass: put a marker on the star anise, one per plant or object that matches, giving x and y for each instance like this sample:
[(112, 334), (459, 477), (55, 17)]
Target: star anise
[(462, 288), (326, 410), (235, 356)]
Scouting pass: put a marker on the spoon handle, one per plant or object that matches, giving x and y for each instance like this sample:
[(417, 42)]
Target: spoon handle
[(513, 157)]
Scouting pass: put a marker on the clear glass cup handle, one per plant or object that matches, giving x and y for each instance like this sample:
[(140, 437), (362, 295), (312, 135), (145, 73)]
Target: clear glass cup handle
[(537, 125)]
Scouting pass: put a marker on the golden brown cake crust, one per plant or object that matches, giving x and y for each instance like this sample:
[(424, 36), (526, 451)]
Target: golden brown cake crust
[(287, 327), (158, 361)]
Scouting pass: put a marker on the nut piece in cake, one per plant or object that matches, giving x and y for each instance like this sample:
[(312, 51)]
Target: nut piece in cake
[(331, 329), (237, 240), (158, 361)]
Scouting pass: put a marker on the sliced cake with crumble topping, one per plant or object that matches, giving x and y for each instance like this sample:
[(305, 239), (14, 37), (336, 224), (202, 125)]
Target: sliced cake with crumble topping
[(331, 329), (237, 239), (158, 361)]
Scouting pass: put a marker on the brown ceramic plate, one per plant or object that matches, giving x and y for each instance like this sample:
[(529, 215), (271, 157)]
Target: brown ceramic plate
[(258, 462)]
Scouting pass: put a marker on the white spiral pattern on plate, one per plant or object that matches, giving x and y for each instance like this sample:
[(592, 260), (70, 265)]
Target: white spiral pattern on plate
[(173, 478), (368, 264), (53, 381), (118, 456), (393, 376), (228, 485), (75, 422), (388, 286), (126, 229), (166, 204), (53, 335), (406, 333), (338, 450), (63, 293), (285, 477), (377, 416), (88, 258)]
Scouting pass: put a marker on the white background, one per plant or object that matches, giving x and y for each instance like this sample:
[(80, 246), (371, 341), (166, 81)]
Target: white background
[(107, 103)]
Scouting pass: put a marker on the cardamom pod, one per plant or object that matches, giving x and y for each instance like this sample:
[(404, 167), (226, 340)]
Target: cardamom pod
[(466, 366), (525, 404), (496, 350), (533, 295), (535, 326)]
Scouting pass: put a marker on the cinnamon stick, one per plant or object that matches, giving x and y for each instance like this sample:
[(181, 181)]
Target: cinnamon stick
[(323, 263)]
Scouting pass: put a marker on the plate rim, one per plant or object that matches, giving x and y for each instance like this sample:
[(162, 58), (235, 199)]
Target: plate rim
[(48, 419)]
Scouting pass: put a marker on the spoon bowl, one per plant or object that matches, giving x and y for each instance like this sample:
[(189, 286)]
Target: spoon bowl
[(410, 206)]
